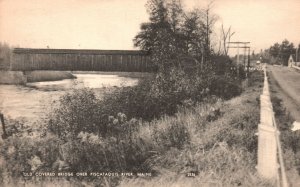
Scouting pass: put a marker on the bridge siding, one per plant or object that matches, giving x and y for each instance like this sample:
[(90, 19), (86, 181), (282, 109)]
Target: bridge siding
[(82, 60)]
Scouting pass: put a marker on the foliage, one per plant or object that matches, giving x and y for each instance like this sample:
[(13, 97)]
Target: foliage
[(5, 56), (141, 128), (290, 139), (173, 135), (77, 112), (281, 52), (199, 136), (231, 133), (27, 154), (173, 33), (225, 87), (162, 95)]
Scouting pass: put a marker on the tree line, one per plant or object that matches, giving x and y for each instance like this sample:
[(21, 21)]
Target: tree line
[(279, 53)]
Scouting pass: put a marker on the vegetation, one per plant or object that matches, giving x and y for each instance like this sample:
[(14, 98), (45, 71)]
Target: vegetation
[(280, 53), (199, 135), (182, 120), (173, 34), (289, 140), (5, 56)]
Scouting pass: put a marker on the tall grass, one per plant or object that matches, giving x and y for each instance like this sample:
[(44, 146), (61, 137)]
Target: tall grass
[(290, 140), (220, 151)]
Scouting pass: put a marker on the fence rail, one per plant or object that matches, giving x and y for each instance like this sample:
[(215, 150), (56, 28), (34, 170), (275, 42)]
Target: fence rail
[(270, 158)]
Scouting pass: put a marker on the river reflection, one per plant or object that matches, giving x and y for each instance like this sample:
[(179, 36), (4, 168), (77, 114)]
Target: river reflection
[(33, 101)]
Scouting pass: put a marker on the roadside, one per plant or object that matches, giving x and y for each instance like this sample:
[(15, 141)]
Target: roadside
[(285, 85), (286, 109)]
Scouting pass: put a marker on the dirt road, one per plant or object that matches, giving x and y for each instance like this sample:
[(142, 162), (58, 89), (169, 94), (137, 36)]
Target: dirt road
[(287, 82)]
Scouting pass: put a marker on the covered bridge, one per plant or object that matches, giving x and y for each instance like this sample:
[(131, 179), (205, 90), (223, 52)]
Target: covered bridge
[(26, 59)]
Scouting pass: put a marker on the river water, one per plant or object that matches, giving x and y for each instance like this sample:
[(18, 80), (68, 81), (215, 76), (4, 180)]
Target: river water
[(32, 101)]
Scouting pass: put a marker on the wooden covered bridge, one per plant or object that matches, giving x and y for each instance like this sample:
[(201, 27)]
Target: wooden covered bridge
[(26, 59)]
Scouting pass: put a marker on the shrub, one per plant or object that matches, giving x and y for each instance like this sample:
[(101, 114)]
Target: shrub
[(26, 154), (225, 87), (77, 111), (162, 95)]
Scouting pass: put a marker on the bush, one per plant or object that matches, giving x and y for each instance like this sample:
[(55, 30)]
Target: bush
[(77, 111), (162, 95), (225, 87), (28, 154)]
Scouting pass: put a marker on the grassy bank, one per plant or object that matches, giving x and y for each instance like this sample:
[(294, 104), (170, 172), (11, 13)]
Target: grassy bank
[(213, 140), (220, 148), (39, 76)]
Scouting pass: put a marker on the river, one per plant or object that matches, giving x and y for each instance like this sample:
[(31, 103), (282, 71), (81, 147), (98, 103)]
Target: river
[(32, 101)]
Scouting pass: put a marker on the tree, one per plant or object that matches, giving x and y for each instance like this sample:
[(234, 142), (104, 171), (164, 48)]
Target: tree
[(274, 50), (5, 56), (225, 39), (157, 36), (208, 23), (172, 33), (281, 52), (193, 33), (286, 49)]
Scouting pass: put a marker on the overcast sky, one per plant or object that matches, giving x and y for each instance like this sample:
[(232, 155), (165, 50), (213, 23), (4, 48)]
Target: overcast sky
[(112, 24)]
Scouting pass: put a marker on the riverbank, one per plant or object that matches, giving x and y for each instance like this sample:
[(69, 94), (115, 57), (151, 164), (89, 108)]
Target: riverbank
[(221, 146), (119, 73), (212, 143), (20, 77), (41, 76), (12, 77)]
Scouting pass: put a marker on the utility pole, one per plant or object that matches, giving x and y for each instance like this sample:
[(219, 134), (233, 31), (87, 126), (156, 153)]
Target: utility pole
[(244, 57), (297, 54), (245, 47), (238, 54), (248, 66)]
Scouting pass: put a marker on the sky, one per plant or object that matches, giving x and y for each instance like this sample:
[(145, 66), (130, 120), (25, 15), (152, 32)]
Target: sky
[(112, 24)]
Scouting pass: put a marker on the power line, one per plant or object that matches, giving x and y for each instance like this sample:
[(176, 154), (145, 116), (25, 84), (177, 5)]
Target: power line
[(245, 47)]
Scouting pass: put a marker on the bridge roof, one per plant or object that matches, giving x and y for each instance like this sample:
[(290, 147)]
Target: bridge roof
[(78, 51)]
